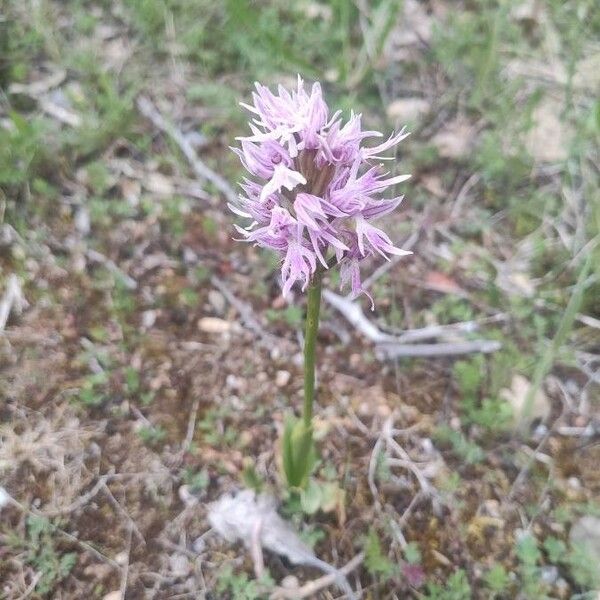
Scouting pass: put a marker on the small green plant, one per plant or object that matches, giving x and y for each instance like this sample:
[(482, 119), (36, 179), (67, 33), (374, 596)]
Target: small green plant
[(456, 588), (241, 587), (41, 551), (93, 391), (212, 429), (376, 562), (529, 556), (196, 480), (465, 449), (152, 435), (576, 559), (492, 414), (292, 315), (497, 580)]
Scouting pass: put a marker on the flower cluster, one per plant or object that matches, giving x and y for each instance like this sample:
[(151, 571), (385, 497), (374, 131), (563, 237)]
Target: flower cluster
[(315, 187)]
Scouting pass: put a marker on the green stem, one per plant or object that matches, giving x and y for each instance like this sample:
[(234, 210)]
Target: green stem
[(310, 342)]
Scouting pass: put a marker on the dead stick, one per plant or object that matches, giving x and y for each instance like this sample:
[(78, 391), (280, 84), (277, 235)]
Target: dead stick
[(443, 349), (312, 587), (151, 113)]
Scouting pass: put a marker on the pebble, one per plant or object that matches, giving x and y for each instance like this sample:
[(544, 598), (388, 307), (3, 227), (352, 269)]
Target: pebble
[(213, 325), (116, 595), (516, 396), (290, 582), (549, 574), (262, 377), (562, 589), (586, 532), (199, 545), (282, 378), (233, 382), (407, 109), (217, 301), (179, 564), (121, 558), (148, 318), (189, 256), (82, 221)]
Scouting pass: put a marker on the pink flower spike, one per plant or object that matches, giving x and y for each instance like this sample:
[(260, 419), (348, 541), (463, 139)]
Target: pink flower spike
[(313, 189)]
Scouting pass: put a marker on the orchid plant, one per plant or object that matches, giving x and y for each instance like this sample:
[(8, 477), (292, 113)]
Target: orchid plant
[(313, 193)]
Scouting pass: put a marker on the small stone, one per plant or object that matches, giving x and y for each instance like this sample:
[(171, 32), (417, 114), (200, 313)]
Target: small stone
[(148, 318), (186, 496), (290, 582), (517, 395), (199, 545), (116, 595), (539, 432), (217, 301), (574, 483), (456, 139), (122, 558), (233, 382), (282, 378), (383, 410), (82, 220), (214, 325), (180, 565), (407, 110), (586, 533), (189, 256), (98, 571), (563, 590), (492, 508), (549, 574)]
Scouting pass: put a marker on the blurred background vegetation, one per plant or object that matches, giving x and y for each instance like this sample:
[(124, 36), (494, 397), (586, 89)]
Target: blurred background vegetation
[(501, 97)]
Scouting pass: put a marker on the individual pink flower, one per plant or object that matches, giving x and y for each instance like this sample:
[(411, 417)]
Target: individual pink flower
[(315, 187)]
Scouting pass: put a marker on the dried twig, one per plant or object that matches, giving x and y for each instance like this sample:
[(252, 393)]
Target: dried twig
[(312, 587), (31, 587), (355, 316), (256, 550), (81, 501), (132, 525), (442, 349), (125, 571), (149, 111), (96, 256), (373, 469), (244, 310), (191, 428), (84, 545), (435, 331), (390, 346)]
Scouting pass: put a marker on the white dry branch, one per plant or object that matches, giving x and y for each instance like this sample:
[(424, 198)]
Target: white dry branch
[(110, 265), (244, 310), (393, 346), (149, 111), (312, 587), (12, 301), (253, 520)]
